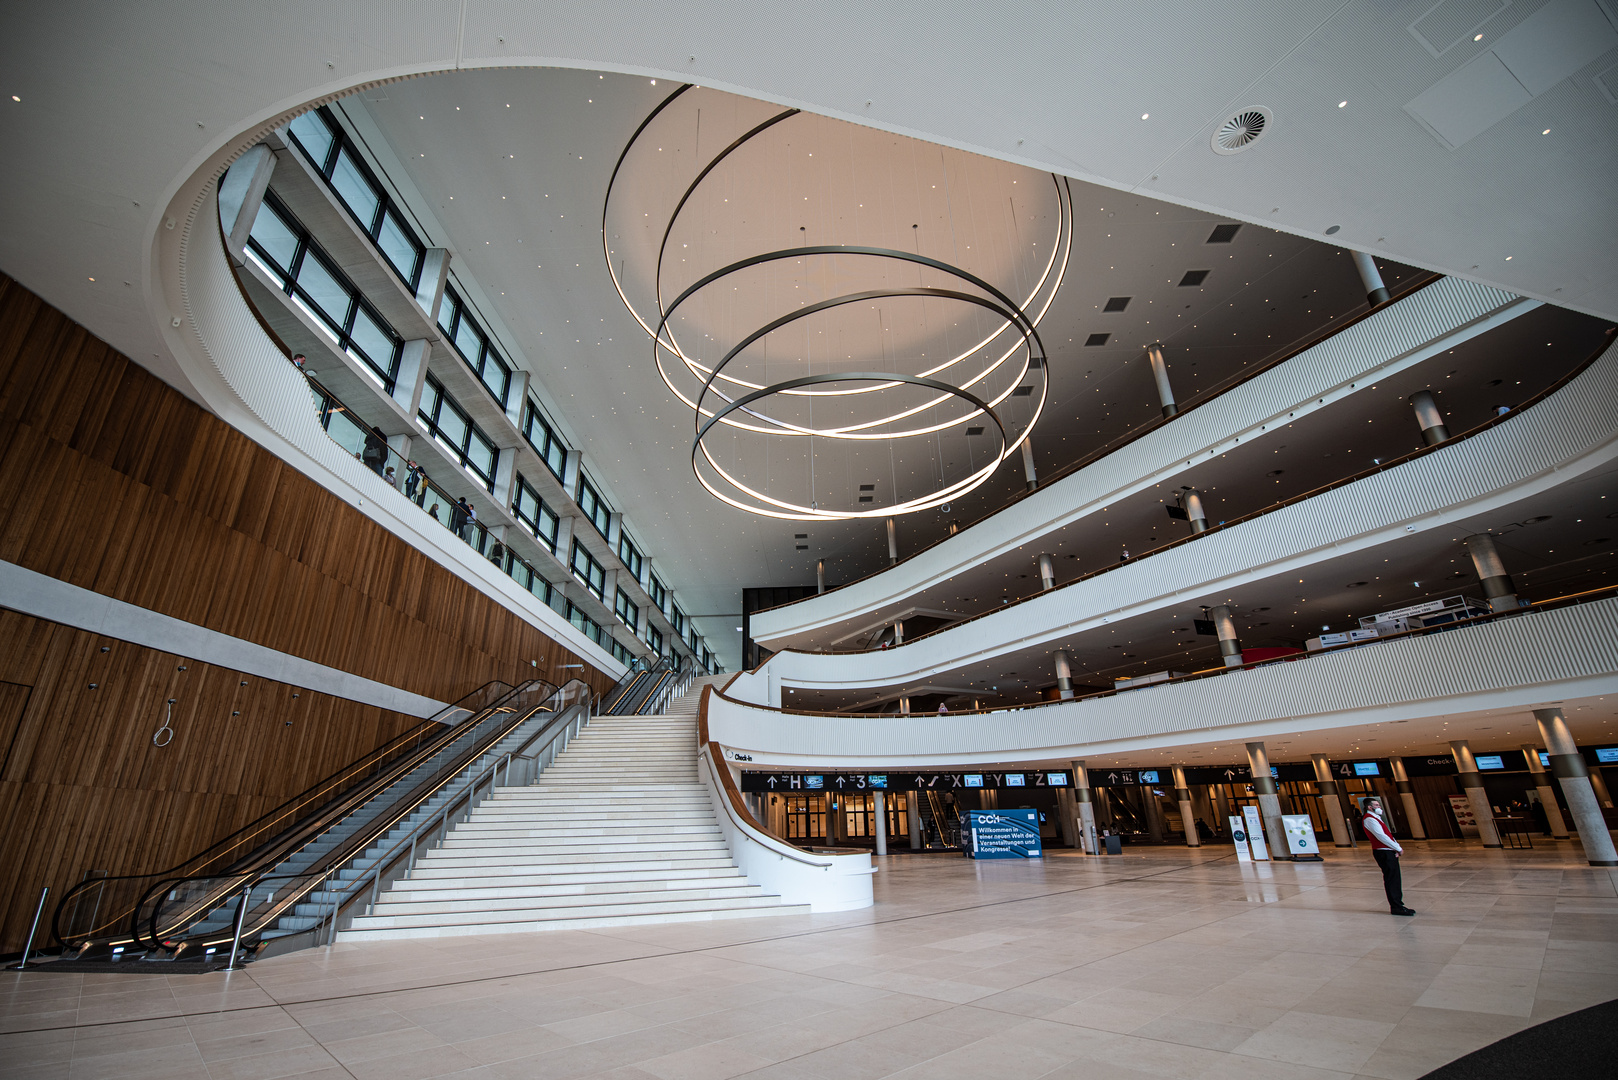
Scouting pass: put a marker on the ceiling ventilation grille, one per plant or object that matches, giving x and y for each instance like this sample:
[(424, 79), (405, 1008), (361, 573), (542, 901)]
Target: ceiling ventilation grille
[(1242, 131)]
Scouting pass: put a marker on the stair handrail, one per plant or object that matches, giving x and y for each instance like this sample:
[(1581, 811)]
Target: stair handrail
[(313, 880), (150, 931), (429, 737)]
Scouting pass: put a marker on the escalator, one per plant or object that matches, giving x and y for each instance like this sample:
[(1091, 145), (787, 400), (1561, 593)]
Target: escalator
[(940, 821), (641, 693), (294, 871)]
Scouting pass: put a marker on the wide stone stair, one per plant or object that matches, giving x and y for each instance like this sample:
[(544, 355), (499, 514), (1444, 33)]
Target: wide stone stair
[(617, 831)]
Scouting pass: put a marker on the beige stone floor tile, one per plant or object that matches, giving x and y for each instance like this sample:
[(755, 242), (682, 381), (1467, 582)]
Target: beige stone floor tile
[(1331, 1042), (294, 1062), (510, 1045), (37, 1047), (364, 1048), (1203, 1033), (1507, 991), (711, 1061), (155, 1062), (415, 1065)]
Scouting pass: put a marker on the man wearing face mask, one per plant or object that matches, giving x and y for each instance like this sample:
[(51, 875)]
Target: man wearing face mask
[(1386, 850)]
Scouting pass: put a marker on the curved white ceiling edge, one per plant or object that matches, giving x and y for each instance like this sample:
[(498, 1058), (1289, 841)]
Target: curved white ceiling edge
[(1440, 317), (1514, 663), (1077, 104), (1553, 443), (246, 381)]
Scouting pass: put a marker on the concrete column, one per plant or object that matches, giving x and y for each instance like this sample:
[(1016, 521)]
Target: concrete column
[(1568, 766), (1222, 804), (564, 540), (1188, 816), (1433, 430), (1066, 817), (1192, 501), (505, 478), (1087, 813), (1269, 801), (615, 529), (1028, 472), (516, 397), (1064, 675), (430, 286), (879, 809), (1330, 802), (1497, 584), (893, 542), (899, 632), (820, 575), (1230, 646), (1154, 813), (904, 706), (241, 193), (570, 472), (834, 819), (412, 377), (1047, 572), (1598, 783), (1407, 796), (1160, 373), (1547, 793), (913, 819), (1472, 783), (1375, 292)]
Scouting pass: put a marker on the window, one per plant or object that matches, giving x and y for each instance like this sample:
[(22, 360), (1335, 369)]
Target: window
[(588, 570), (629, 554), (627, 612), (336, 159), (283, 248), (597, 511), (621, 654), (543, 438), (540, 519), (659, 595), (707, 661), (586, 625), (677, 617), (449, 424), (654, 638), (463, 331)]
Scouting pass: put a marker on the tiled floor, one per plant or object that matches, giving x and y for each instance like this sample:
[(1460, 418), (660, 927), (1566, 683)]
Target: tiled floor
[(1161, 963)]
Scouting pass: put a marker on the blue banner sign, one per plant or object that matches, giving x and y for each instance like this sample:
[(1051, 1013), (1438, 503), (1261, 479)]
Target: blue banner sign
[(1002, 834), (901, 781)]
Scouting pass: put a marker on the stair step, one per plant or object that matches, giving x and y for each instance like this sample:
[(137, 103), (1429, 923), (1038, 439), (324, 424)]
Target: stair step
[(575, 922)]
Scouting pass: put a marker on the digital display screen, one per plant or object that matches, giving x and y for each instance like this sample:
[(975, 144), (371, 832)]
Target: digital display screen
[(1544, 759), (1606, 755), (1015, 779), (1056, 779), (1366, 768), (814, 783), (974, 779), (877, 780), (1489, 761), (1148, 776)]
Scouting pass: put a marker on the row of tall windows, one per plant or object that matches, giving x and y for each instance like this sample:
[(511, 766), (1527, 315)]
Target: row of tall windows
[(285, 250), (461, 329), (281, 245), (333, 155), (454, 430)]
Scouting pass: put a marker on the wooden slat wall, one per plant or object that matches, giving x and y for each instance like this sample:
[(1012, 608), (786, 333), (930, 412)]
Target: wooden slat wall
[(119, 484)]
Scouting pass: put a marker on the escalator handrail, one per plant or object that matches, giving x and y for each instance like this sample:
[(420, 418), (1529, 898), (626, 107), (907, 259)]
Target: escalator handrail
[(432, 730), (317, 877)]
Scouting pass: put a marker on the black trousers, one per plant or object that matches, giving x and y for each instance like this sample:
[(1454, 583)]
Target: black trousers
[(1391, 883)]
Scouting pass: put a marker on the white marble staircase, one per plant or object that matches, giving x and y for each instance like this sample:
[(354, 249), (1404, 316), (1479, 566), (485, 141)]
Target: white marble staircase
[(618, 830)]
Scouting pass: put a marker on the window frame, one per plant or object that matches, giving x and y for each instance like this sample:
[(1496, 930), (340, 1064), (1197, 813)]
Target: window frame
[(627, 610), (595, 511), (537, 523), (341, 329), (629, 554), (459, 313), (549, 444), (386, 206), (592, 569), (431, 424)]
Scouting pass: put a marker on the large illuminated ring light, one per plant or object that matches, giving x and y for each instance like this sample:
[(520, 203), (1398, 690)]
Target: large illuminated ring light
[(719, 398)]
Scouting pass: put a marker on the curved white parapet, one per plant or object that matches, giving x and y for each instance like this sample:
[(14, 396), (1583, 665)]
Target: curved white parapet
[(1511, 662), (824, 882), (1419, 326), (1568, 435)]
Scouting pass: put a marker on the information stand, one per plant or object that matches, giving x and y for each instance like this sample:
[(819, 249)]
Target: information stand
[(1255, 834), (1301, 843), (1003, 834), (1238, 833)]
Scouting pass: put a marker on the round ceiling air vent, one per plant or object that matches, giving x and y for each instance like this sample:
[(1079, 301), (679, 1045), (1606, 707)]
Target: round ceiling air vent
[(1242, 130)]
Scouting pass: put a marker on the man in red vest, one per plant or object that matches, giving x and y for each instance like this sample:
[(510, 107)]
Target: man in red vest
[(1386, 850)]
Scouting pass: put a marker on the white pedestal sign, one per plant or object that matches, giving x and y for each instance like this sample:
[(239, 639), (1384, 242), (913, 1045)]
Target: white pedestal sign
[(1255, 833), (1238, 832), (1300, 834)]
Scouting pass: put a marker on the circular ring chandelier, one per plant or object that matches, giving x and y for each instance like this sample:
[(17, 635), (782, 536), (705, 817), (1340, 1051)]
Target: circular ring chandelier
[(949, 396)]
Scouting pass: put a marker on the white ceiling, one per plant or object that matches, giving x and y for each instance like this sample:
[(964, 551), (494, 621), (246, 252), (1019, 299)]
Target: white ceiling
[(120, 105)]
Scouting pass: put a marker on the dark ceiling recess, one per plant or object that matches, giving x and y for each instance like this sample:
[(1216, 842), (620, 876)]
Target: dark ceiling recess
[(1022, 391), (1193, 277), (800, 536), (867, 498), (867, 487), (1223, 234), (1117, 303), (974, 431), (803, 547), (1097, 339)]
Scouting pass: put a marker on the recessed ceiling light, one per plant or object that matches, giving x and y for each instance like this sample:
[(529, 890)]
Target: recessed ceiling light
[(14, 97), (1477, 37), (1342, 104), (1508, 258), (1145, 115)]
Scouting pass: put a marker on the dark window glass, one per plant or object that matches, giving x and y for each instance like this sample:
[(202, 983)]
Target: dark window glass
[(628, 555), (594, 509), (474, 346), (588, 570), (448, 423), (543, 438), (348, 179), (677, 617), (626, 610), (277, 241), (398, 243), (314, 137)]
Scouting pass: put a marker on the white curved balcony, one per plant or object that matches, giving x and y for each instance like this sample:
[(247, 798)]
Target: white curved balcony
[(1566, 436), (1399, 336), (1516, 661)]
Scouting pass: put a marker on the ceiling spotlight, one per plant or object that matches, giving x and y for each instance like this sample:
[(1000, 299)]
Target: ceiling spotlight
[(14, 97), (1145, 116), (1477, 37), (1547, 131), (1342, 104)]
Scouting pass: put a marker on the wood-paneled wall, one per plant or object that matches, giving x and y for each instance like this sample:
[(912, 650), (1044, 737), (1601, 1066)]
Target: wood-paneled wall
[(117, 483)]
